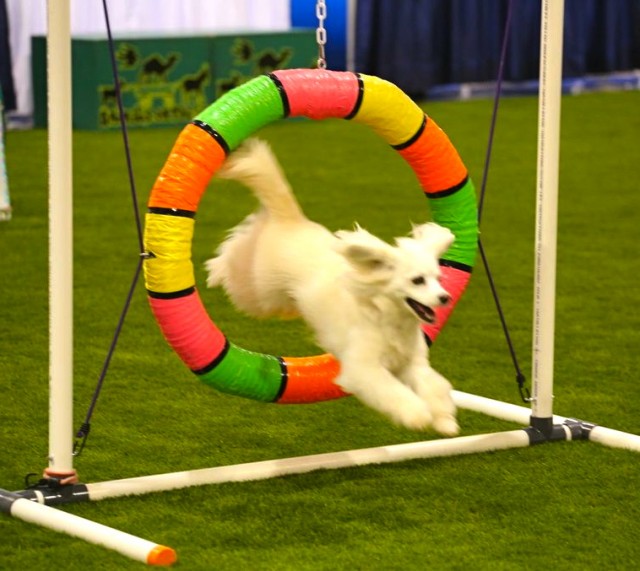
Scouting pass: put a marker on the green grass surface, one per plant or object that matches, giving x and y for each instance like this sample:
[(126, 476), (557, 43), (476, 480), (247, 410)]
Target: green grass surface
[(560, 506)]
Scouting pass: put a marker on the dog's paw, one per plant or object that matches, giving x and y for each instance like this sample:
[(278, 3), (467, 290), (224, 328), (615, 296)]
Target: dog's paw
[(414, 416), (446, 425)]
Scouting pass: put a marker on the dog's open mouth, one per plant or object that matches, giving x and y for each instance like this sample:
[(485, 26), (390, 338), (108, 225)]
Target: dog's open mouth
[(424, 312)]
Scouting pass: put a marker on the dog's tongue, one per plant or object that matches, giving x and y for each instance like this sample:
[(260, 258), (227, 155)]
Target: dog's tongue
[(422, 311)]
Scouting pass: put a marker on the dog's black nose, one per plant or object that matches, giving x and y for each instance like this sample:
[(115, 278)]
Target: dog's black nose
[(444, 299)]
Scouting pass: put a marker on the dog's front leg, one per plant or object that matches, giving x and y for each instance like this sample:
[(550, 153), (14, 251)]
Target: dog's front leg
[(435, 390), (376, 387)]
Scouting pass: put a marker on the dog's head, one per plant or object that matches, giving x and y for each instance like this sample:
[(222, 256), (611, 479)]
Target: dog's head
[(408, 274)]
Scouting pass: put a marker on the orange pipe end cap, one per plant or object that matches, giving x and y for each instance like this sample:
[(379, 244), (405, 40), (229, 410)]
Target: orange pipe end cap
[(162, 556)]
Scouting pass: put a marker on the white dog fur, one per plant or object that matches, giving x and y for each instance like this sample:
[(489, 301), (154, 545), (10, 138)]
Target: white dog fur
[(364, 298)]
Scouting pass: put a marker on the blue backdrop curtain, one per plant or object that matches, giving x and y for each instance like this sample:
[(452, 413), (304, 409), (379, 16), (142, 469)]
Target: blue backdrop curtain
[(421, 43)]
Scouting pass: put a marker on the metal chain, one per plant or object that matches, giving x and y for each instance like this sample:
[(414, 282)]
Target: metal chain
[(321, 33)]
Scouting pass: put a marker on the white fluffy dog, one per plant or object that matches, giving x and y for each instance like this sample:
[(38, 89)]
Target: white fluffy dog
[(364, 298)]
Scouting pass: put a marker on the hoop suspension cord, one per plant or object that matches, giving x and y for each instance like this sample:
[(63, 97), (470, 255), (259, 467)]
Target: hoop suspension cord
[(520, 378), (85, 427)]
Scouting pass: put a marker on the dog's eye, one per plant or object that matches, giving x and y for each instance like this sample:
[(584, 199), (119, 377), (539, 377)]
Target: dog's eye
[(418, 280)]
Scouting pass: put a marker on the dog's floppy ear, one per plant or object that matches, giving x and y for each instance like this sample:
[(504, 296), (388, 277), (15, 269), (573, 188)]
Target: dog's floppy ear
[(436, 237), (372, 258)]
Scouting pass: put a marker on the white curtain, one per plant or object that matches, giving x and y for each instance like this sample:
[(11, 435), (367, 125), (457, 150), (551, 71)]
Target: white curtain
[(147, 17)]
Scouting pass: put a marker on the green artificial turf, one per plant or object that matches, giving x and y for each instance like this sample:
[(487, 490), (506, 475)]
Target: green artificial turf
[(561, 505)]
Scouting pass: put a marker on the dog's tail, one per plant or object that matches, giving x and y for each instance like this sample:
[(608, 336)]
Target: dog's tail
[(254, 165)]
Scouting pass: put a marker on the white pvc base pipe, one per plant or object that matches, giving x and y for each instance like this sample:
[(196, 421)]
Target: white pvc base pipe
[(521, 415), (378, 455), (155, 554), (302, 464), (124, 543), (615, 438), (497, 409)]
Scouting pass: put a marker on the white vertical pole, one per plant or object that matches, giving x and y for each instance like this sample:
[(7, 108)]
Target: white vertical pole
[(547, 207), (60, 241), (5, 199)]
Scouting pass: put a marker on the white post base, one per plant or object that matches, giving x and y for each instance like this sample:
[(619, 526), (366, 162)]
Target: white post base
[(124, 543)]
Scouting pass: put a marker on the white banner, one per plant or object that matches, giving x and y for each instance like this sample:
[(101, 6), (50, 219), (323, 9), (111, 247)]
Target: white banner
[(147, 17)]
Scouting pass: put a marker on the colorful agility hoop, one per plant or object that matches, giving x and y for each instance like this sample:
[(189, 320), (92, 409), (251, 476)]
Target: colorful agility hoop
[(199, 152)]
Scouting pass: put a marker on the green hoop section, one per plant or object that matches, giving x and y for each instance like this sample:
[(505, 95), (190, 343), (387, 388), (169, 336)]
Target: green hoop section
[(199, 152)]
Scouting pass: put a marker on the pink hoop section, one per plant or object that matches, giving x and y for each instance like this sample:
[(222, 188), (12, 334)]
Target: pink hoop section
[(186, 326), (454, 281), (320, 94)]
